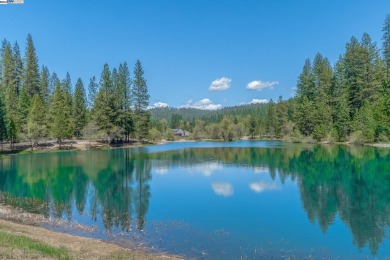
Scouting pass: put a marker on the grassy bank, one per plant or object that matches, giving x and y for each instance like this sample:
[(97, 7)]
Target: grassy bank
[(30, 242), (15, 246)]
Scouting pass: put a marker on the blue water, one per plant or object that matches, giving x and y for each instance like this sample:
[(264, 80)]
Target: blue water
[(216, 200)]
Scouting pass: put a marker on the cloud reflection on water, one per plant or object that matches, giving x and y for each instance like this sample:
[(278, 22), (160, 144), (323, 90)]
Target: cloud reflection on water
[(262, 186), (223, 188)]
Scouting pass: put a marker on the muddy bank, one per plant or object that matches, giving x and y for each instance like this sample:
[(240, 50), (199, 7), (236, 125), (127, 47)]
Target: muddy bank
[(77, 247)]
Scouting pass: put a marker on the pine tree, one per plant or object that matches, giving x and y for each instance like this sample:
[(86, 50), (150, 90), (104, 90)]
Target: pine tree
[(103, 111), (53, 81), (140, 89), (92, 92), (386, 44), (281, 117), (12, 132), (67, 89), (306, 85), (45, 82), (141, 102), (23, 110), (374, 70), (9, 82), (271, 123), (31, 81), (3, 126), (305, 116), (18, 68), (4, 43), (252, 126), (37, 123), (365, 122), (341, 118), (79, 108), (61, 127), (124, 87)]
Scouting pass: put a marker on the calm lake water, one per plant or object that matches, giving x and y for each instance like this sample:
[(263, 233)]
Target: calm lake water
[(211, 200)]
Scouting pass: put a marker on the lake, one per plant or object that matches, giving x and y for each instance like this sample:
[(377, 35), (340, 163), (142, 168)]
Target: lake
[(215, 200)]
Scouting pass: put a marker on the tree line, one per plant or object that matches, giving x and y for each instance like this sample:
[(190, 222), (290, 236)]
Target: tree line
[(36, 105), (349, 101)]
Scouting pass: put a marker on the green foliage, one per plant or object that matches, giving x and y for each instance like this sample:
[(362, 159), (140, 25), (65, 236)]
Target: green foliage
[(142, 125), (45, 75), (37, 122), (252, 126), (60, 116), (31, 80), (23, 110), (79, 108), (9, 83), (154, 134), (92, 92), (140, 89), (3, 126), (12, 131)]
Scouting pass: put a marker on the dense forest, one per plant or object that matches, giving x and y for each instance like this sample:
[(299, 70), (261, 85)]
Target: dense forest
[(349, 101), (36, 105)]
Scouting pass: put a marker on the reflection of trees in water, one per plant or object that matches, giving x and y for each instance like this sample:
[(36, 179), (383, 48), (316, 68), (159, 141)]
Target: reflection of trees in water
[(62, 180), (353, 183)]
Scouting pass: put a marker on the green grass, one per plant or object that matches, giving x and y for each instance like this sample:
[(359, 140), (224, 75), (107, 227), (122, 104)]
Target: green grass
[(32, 245)]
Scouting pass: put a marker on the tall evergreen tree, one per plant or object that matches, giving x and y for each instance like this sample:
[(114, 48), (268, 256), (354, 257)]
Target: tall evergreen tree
[(18, 68), (103, 111), (252, 128), (92, 91), (45, 86), (386, 44), (60, 117), (374, 70), (141, 102), (53, 81), (79, 108), (306, 85), (11, 132), (3, 126), (341, 118), (37, 121), (23, 110), (305, 116), (9, 87), (31, 81), (124, 86), (140, 89), (271, 123), (281, 117), (67, 89)]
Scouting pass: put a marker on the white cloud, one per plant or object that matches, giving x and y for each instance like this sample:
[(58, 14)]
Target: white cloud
[(222, 188), (261, 186), (204, 104), (259, 101), (158, 105), (221, 84), (259, 85)]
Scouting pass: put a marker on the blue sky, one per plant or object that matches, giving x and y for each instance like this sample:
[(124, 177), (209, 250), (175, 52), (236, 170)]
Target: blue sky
[(187, 45)]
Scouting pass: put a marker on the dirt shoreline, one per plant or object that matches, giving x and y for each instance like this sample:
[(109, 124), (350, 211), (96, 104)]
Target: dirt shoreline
[(17, 222)]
